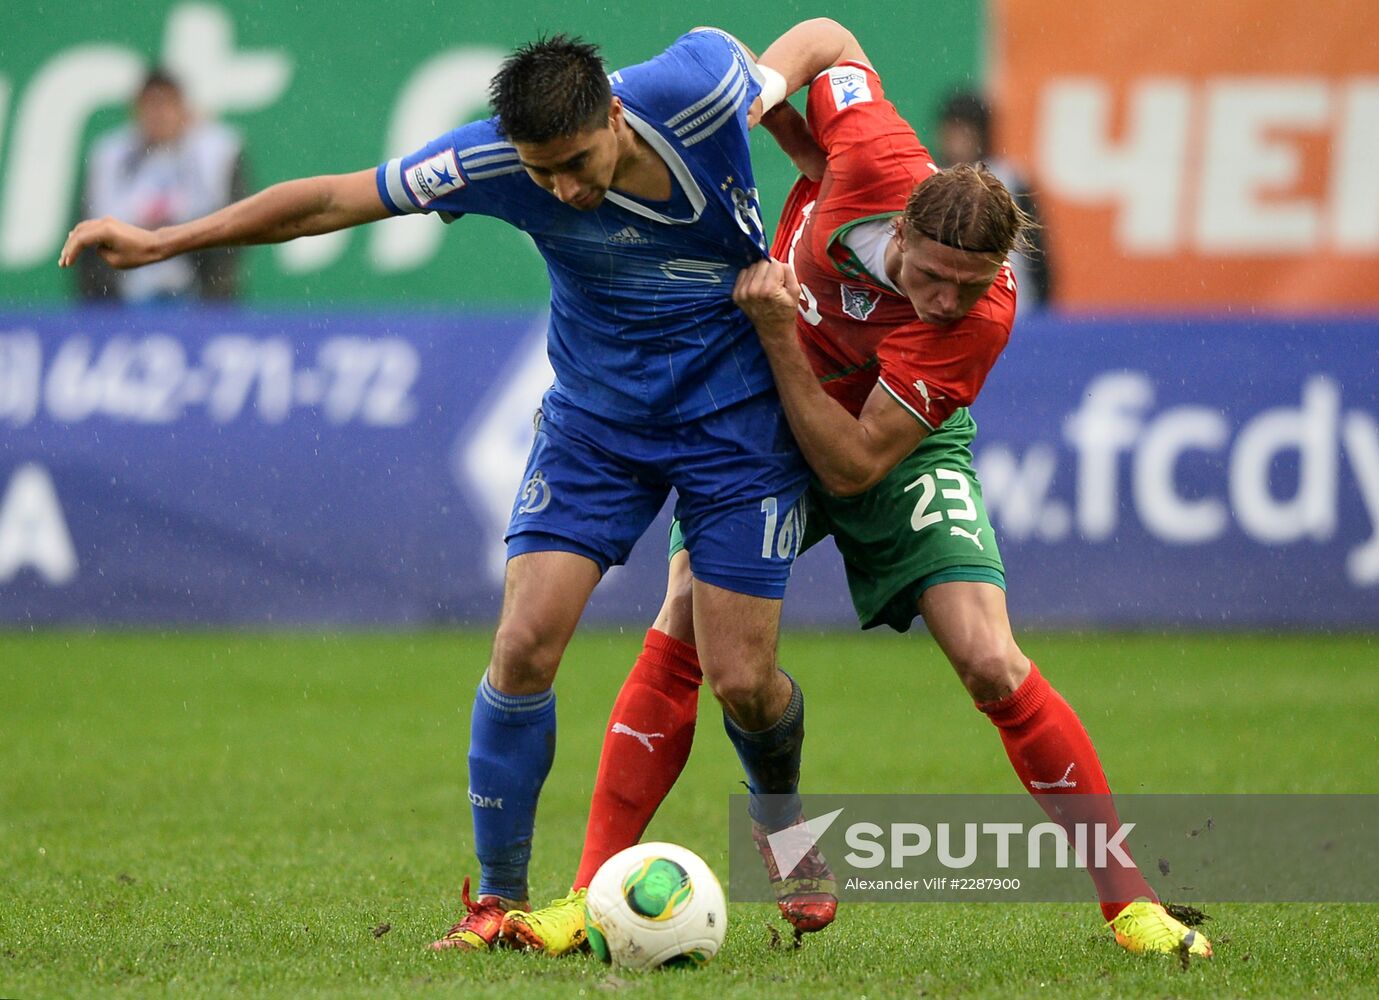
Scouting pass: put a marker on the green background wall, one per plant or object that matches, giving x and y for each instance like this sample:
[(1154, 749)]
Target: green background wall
[(315, 88)]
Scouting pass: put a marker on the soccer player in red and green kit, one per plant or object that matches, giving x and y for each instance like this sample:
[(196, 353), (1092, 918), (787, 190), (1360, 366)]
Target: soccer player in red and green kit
[(887, 304)]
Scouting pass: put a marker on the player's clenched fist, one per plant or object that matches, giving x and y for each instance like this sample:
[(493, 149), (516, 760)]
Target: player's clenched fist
[(768, 293), (119, 244)]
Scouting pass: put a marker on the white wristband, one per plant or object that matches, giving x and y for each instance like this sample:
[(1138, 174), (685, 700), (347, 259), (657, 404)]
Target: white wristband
[(772, 87)]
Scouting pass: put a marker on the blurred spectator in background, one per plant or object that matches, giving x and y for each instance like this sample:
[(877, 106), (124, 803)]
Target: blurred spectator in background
[(964, 135), (162, 168)]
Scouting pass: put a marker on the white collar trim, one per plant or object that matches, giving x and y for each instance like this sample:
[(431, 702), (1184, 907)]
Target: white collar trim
[(679, 172)]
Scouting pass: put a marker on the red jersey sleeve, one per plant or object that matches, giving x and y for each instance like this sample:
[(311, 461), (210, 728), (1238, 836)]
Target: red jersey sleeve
[(933, 371), (847, 107), (874, 157)]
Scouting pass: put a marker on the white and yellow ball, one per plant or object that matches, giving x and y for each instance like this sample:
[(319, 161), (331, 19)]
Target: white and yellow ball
[(655, 905)]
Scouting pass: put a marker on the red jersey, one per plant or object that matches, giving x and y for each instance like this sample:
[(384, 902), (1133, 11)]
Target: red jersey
[(854, 329)]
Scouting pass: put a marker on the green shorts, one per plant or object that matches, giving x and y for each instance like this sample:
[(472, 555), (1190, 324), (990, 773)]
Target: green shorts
[(923, 524)]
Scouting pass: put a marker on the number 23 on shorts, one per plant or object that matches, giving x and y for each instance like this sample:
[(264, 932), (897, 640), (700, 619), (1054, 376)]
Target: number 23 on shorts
[(929, 487)]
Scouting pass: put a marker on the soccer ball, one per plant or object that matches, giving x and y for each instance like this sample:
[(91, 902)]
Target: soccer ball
[(655, 905)]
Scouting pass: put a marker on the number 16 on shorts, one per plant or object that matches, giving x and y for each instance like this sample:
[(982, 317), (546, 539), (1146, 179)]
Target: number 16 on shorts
[(781, 536)]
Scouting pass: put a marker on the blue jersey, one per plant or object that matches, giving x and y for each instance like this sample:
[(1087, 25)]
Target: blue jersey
[(643, 327)]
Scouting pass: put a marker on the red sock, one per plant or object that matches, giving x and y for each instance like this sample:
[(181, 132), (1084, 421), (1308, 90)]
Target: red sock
[(644, 749), (1048, 745)]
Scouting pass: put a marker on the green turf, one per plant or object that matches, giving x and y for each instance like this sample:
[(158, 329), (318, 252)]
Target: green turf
[(206, 815)]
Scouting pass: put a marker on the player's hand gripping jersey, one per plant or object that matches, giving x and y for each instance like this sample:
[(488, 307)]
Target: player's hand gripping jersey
[(854, 327), (643, 326)]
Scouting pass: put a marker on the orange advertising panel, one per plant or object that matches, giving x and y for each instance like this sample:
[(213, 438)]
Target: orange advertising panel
[(1194, 154)]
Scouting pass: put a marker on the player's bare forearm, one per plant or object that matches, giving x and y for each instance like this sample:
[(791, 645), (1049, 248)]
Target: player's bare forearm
[(809, 48), (791, 132), (847, 455), (831, 439), (304, 207)]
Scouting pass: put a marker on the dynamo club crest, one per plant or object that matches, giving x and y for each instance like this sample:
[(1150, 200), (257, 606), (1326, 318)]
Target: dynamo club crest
[(536, 494)]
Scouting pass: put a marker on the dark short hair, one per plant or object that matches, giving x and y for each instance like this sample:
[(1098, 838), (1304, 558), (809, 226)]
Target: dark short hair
[(968, 108), (159, 77), (966, 207), (550, 88), (965, 106)]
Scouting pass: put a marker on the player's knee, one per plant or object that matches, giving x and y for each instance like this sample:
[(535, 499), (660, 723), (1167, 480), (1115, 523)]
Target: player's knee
[(991, 669), (745, 695), (524, 658)]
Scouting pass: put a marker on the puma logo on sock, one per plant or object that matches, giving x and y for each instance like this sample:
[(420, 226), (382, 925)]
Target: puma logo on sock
[(643, 738), (1062, 782)]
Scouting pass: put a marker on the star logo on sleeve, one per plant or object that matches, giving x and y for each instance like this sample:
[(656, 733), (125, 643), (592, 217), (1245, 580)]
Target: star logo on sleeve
[(434, 176), (849, 86)]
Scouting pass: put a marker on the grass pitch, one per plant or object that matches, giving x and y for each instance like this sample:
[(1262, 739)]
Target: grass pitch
[(229, 814)]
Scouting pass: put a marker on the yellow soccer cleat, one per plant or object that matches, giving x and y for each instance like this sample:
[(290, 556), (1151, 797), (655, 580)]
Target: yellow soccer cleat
[(1147, 927), (557, 929)]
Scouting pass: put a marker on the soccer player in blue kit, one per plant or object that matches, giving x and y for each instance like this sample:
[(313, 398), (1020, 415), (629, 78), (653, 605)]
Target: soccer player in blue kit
[(638, 191)]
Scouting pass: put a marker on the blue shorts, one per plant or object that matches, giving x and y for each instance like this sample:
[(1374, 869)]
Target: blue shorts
[(593, 486)]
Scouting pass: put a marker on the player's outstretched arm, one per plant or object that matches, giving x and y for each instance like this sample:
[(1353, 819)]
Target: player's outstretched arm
[(282, 212), (848, 454), (798, 56), (809, 48)]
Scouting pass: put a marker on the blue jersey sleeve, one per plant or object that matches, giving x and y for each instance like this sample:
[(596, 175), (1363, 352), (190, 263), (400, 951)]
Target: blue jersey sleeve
[(465, 170), (705, 80)]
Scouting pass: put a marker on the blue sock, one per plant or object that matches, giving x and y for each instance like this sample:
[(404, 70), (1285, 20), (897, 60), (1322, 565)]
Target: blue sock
[(771, 758), (511, 745)]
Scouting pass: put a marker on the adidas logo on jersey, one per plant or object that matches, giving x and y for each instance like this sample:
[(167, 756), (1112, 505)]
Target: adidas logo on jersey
[(628, 235)]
